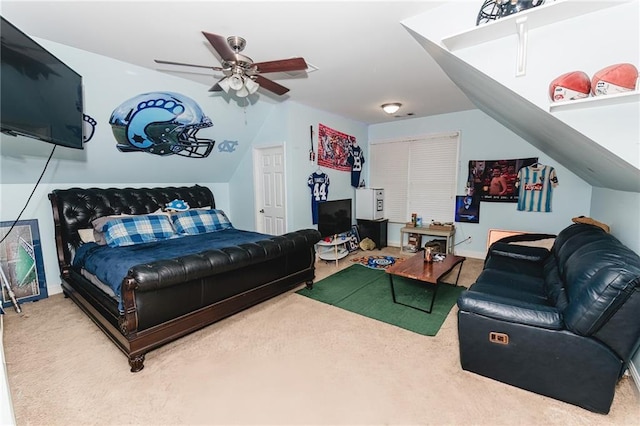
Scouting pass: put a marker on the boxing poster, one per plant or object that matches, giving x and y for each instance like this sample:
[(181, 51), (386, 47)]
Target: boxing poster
[(334, 148), (495, 180)]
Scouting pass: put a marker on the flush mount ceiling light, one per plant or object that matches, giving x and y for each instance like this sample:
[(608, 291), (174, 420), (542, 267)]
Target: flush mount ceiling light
[(391, 108)]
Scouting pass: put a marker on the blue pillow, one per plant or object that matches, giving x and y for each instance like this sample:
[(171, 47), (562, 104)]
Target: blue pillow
[(193, 222), (131, 230)]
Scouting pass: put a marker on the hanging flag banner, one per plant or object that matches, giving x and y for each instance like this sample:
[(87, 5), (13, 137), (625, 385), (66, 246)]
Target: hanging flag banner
[(334, 148)]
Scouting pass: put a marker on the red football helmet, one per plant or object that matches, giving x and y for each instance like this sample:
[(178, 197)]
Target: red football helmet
[(570, 86), (615, 78)]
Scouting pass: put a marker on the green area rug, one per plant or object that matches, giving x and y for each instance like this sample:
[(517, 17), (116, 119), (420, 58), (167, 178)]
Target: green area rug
[(368, 292)]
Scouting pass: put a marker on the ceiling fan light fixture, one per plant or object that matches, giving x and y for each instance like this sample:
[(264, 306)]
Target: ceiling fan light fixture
[(391, 108), (235, 82), (224, 85), (242, 93), (251, 85)]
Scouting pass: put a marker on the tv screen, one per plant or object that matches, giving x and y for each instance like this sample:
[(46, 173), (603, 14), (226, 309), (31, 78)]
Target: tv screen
[(334, 217), (41, 97)]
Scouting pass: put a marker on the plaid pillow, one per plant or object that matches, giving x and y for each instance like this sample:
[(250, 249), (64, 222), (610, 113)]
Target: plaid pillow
[(131, 230), (194, 222)]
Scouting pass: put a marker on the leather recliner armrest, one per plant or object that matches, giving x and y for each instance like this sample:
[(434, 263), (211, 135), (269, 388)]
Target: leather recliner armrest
[(532, 254), (511, 310)]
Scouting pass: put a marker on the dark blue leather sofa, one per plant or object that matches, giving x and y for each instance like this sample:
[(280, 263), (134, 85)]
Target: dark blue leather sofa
[(562, 323)]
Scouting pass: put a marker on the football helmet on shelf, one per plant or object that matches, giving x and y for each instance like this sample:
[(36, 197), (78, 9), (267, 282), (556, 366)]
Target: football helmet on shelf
[(496, 9)]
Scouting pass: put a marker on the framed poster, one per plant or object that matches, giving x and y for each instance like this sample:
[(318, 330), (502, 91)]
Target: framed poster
[(21, 264), (494, 180), (467, 209)]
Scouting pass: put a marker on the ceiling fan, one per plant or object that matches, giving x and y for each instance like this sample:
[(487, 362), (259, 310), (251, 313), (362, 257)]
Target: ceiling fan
[(240, 72)]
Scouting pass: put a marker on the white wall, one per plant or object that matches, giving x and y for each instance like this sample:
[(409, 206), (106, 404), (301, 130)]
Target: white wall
[(482, 138)]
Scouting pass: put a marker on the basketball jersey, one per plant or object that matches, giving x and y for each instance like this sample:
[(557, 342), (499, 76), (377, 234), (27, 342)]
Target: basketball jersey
[(356, 160), (535, 184), (319, 184)]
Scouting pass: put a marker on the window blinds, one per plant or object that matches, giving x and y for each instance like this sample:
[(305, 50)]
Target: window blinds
[(418, 175)]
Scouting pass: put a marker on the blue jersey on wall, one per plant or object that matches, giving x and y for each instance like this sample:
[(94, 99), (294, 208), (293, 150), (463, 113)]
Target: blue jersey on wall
[(319, 183), (356, 160)]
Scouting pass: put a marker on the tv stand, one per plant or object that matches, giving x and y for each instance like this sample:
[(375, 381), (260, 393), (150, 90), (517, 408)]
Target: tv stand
[(335, 249)]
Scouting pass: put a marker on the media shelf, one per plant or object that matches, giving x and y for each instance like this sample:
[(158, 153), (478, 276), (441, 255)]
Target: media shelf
[(333, 250), (535, 17), (596, 101)]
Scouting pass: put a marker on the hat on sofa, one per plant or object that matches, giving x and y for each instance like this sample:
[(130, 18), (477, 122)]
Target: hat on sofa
[(590, 221)]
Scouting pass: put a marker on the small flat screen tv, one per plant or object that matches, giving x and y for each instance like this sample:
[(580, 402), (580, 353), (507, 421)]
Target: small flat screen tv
[(41, 97), (334, 217)]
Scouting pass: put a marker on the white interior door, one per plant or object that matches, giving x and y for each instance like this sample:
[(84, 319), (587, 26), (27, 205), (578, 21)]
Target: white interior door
[(270, 190)]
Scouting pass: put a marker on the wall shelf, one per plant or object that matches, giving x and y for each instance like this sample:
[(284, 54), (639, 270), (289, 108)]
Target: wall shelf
[(596, 101), (539, 16)]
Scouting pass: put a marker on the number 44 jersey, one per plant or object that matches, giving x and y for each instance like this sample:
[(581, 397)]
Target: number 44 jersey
[(319, 183)]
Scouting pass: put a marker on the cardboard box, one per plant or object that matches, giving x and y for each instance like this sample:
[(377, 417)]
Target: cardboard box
[(415, 240)]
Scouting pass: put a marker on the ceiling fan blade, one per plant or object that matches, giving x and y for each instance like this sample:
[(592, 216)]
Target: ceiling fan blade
[(221, 46), (271, 85), (292, 64), (187, 65)]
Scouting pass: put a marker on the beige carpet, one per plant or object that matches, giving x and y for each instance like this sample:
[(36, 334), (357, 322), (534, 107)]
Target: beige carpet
[(288, 361)]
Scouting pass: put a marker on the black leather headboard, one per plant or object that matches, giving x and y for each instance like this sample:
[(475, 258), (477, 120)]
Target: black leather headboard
[(75, 208)]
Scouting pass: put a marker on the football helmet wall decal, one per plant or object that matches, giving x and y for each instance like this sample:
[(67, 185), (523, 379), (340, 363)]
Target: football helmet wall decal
[(161, 123)]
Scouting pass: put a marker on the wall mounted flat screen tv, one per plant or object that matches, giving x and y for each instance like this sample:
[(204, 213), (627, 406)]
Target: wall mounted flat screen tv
[(41, 97), (334, 217)]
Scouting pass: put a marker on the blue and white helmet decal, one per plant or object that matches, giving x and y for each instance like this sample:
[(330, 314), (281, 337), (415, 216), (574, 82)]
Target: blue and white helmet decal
[(161, 123)]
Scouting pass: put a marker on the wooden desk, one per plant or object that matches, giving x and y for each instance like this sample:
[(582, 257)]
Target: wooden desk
[(424, 230)]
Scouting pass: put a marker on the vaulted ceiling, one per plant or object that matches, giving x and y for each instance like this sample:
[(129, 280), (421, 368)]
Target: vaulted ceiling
[(359, 53)]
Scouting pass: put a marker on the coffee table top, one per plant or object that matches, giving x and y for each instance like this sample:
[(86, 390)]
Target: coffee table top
[(430, 272)]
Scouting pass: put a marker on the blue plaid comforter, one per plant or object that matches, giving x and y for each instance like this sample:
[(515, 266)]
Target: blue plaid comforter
[(111, 264)]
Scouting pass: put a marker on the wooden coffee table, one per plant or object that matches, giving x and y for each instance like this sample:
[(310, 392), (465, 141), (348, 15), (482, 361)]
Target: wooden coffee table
[(431, 273)]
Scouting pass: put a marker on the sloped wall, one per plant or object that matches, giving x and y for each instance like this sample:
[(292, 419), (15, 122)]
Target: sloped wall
[(486, 73)]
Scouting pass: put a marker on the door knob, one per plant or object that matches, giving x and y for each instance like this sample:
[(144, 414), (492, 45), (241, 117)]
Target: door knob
[(261, 211)]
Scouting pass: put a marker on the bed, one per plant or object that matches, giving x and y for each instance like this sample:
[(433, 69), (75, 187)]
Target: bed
[(146, 285)]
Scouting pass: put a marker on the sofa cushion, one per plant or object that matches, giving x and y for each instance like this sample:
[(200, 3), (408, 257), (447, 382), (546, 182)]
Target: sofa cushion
[(512, 285)]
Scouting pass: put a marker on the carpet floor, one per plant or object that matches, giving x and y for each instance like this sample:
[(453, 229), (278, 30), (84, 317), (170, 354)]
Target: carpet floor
[(367, 292), (287, 361)]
